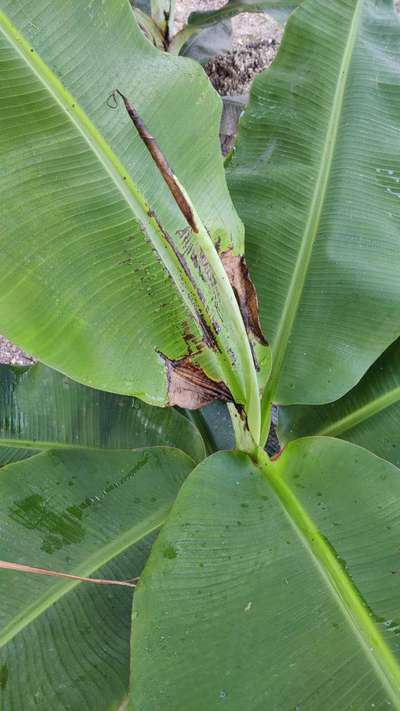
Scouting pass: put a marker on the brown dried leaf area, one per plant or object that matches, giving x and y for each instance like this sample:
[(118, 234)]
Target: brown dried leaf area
[(188, 386), (159, 159), (245, 292)]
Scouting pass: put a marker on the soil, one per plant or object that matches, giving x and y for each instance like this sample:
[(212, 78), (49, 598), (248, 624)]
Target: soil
[(12, 355), (256, 38), (231, 74)]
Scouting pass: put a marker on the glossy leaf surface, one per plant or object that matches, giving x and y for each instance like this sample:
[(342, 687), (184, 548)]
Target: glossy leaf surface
[(124, 285), (369, 415), (274, 589), (42, 409), (316, 180), (215, 425), (149, 28), (65, 644)]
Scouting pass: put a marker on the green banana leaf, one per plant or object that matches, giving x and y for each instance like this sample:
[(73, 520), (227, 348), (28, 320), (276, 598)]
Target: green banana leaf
[(368, 415), (65, 644), (163, 12), (149, 28), (273, 587), (8, 455), (116, 267), (41, 409), (234, 7), (281, 16), (316, 180)]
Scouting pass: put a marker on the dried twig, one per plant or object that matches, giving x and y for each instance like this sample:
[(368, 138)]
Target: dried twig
[(45, 571), (159, 159)]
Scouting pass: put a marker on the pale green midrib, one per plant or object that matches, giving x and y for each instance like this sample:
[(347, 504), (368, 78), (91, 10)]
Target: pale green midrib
[(61, 588), (136, 201), (48, 444), (40, 446), (347, 596), (361, 414), (181, 37), (298, 280)]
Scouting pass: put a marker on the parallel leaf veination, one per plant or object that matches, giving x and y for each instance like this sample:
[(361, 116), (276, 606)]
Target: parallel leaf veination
[(374, 644), (310, 233), (232, 330)]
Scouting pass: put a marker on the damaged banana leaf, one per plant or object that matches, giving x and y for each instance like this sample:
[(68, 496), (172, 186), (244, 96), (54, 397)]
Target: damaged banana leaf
[(131, 294)]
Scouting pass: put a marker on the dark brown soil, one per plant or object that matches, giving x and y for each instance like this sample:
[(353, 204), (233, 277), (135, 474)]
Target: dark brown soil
[(231, 74)]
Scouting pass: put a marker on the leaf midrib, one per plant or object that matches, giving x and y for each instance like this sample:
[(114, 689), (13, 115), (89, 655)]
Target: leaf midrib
[(232, 335), (36, 444), (104, 153), (374, 407), (346, 594), (310, 232)]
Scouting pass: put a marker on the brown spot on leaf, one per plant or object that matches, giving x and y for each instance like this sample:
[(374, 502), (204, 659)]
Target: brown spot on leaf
[(190, 387), (190, 340), (245, 292), (208, 334)]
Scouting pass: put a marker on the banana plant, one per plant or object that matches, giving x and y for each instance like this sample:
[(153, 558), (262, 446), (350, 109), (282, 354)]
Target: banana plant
[(207, 33), (258, 582), (41, 410), (368, 415), (316, 187)]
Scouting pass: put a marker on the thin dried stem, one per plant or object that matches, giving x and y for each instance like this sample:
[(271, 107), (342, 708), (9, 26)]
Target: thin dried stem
[(160, 161), (45, 571)]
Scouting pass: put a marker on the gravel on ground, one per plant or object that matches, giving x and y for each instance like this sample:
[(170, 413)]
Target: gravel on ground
[(256, 38), (12, 355)]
